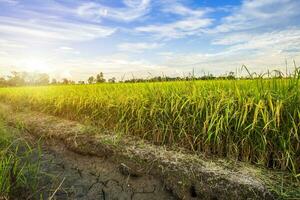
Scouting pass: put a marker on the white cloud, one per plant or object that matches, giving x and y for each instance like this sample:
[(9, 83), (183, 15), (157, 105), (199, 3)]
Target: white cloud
[(9, 44), (186, 21), (258, 33), (138, 47), (12, 2), (259, 52), (133, 9), (165, 53), (254, 14), (275, 41), (66, 49), (52, 30), (220, 63), (3, 53), (178, 29), (231, 39), (118, 65), (179, 9)]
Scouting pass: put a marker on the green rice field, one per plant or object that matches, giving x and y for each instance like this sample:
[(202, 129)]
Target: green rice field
[(256, 121)]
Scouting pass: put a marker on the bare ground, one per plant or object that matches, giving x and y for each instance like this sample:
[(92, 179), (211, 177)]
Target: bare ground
[(126, 168), (74, 176)]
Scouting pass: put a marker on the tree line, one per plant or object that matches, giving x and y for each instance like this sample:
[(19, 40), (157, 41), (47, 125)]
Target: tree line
[(32, 79), (24, 78), (229, 76)]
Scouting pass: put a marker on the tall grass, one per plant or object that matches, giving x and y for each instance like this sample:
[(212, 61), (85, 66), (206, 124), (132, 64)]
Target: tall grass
[(18, 176), (250, 120)]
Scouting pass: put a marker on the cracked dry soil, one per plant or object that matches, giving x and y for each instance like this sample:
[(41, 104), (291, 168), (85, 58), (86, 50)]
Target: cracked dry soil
[(86, 177)]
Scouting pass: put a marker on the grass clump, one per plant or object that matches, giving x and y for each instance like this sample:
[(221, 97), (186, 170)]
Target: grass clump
[(256, 121), (18, 176)]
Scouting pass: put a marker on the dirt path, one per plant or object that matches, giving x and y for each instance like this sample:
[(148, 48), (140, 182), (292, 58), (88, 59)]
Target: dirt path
[(88, 177)]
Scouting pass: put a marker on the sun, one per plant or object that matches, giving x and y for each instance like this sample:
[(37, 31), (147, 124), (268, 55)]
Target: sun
[(36, 65)]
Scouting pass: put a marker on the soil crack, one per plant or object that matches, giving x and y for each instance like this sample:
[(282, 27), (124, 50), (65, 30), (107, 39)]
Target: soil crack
[(82, 180)]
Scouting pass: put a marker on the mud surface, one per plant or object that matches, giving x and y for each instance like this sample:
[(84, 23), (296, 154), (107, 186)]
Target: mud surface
[(73, 176)]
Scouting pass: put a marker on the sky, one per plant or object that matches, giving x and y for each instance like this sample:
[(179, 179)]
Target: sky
[(144, 38)]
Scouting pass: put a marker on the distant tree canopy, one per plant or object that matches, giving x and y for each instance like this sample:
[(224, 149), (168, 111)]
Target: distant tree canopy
[(230, 75), (112, 80), (100, 78), (25, 78), (2, 81), (91, 80), (66, 81), (54, 81)]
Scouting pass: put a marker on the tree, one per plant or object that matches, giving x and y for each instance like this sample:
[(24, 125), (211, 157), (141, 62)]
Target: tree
[(17, 79), (42, 79), (100, 78), (65, 81), (112, 80), (2, 81), (54, 81), (91, 80)]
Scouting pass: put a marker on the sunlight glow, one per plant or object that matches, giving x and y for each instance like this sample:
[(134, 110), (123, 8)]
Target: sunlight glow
[(36, 65)]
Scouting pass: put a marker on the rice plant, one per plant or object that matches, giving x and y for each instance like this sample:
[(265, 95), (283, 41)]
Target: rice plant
[(255, 120)]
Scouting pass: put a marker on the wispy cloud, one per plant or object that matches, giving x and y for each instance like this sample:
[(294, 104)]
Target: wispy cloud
[(275, 41), (138, 47), (259, 28), (3, 53), (177, 8), (178, 29), (254, 14), (54, 30), (9, 44), (12, 2), (220, 63), (119, 66), (187, 21), (132, 10), (66, 49), (267, 50)]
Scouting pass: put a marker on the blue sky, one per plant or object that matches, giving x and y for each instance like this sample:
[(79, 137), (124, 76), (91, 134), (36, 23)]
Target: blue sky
[(125, 38)]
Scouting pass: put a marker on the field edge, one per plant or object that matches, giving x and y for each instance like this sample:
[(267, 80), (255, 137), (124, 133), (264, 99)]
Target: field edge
[(187, 176)]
